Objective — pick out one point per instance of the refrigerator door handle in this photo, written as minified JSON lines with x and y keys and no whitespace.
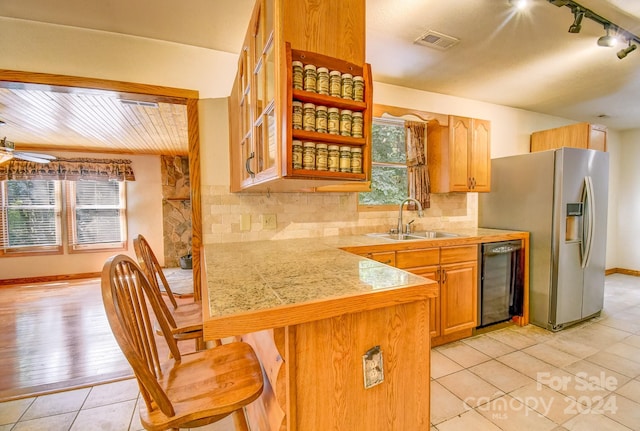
{"x":589,"y":223}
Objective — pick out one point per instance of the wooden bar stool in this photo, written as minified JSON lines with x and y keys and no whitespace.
{"x":185,"y":320}
{"x":185,"y":391}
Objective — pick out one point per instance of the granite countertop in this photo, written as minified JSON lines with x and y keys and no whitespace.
{"x":266,"y":284}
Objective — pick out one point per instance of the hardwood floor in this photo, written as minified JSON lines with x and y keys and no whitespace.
{"x":55,"y":336}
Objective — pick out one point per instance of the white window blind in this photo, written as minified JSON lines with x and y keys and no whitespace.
{"x":97,"y":214}
{"x":30,"y":213}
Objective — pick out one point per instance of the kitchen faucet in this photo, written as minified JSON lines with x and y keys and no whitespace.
{"x":400,"y":227}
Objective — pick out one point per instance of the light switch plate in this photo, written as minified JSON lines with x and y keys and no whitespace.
{"x":373,"y":367}
{"x":269,"y":222}
{"x":245,"y":222}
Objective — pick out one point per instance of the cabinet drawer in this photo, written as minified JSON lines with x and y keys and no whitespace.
{"x":460,"y":253}
{"x":415,"y":258}
{"x":386,"y":257}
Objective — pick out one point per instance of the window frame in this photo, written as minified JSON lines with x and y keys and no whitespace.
{"x":398,"y":112}
{"x":36,"y":250}
{"x":71,"y":226}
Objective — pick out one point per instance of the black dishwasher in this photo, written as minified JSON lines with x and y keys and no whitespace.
{"x":501,"y":284}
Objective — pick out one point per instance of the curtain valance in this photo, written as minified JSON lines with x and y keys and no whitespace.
{"x":68,"y":169}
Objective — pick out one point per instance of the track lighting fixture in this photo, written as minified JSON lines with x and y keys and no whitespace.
{"x":607,"y":40}
{"x":580,"y":12}
{"x":578,"y":15}
{"x":624,"y":52}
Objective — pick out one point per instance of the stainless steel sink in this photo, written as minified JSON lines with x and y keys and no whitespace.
{"x":395,"y":236}
{"x":414,"y":236}
{"x":432,"y":234}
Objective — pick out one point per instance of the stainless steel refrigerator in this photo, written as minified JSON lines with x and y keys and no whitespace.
{"x":560,"y":197}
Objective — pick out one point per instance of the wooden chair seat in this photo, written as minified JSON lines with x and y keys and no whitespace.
{"x":185,"y":391}
{"x":206,"y":387}
{"x":188,"y":318}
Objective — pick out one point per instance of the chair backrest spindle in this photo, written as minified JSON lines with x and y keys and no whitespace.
{"x":128,"y":297}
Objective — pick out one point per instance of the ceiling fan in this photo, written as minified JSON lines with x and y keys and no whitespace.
{"x":7,"y":152}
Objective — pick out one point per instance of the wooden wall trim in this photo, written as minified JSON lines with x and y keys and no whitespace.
{"x":19,"y":78}
{"x":196,"y":207}
{"x":622,"y":271}
{"x":48,"y":278}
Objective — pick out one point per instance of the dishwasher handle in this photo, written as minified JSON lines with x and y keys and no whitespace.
{"x":493,"y":249}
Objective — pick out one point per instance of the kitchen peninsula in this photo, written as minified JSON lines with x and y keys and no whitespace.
{"x":312,"y":311}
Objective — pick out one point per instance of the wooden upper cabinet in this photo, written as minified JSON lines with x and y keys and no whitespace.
{"x":459,"y":155}
{"x":480,"y":156}
{"x":460,"y":135}
{"x":581,"y":135}
{"x":261,"y":104}
{"x":333,"y":29}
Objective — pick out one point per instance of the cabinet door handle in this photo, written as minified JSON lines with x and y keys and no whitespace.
{"x":444,"y":276}
{"x":247,"y":164}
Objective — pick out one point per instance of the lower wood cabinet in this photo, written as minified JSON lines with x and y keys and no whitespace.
{"x":433,"y":273}
{"x":458,"y":297}
{"x":454,"y":313}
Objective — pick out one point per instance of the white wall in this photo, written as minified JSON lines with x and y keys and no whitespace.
{"x":144,"y":214}
{"x":627,"y":217}
{"x":38,"y":47}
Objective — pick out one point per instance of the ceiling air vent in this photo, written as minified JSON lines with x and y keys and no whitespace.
{"x":436,"y":40}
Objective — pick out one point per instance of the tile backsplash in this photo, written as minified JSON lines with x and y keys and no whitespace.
{"x":311,"y":215}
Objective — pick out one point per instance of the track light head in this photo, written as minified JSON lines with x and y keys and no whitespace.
{"x":578,"y":15}
{"x":624,"y":52}
{"x":607,"y":40}
{"x":519,"y":4}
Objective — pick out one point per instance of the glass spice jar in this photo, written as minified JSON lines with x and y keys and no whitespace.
{"x":358,"y":88}
{"x":321,"y":119}
{"x":333,"y":121}
{"x":346,"y":88}
{"x":296,"y":147}
{"x":309,"y":155}
{"x":345,"y":159}
{"x":356,"y":160}
{"x":296,"y":117}
{"x":310,"y":76}
{"x":321,"y":157}
{"x":322,"y":81}
{"x":297,"y":74}
{"x":333,"y":160}
{"x":335,"y":83}
{"x":309,"y":117}
{"x":345,"y":122}
{"x":357,"y":123}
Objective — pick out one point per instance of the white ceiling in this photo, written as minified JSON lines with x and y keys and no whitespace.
{"x":525,"y":60}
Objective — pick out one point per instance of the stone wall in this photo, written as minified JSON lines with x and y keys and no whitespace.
{"x":176,"y":208}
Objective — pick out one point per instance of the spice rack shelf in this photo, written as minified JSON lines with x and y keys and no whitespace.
{"x":312,"y":173}
{"x":321,"y":99}
{"x":305,"y":135}
{"x":303,"y":96}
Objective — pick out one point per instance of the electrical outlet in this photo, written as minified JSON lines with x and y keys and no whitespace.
{"x":245,"y":222}
{"x":269,"y":222}
{"x":373,"y":367}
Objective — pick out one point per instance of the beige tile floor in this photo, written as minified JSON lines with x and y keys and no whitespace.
{"x":585,"y":378}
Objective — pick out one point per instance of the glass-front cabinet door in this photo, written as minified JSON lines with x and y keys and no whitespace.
{"x":262,"y":159}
